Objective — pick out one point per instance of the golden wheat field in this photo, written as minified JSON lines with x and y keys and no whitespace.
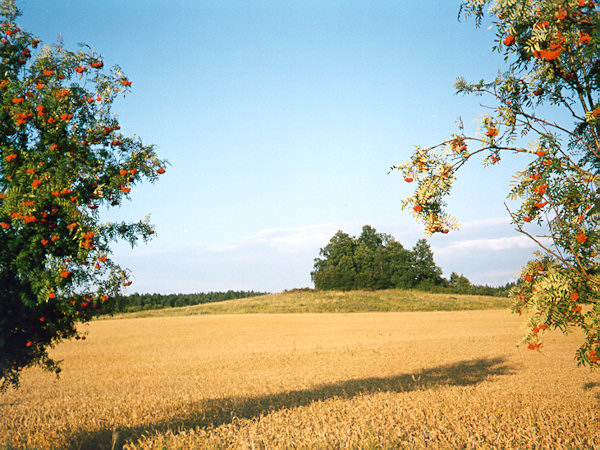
{"x":403,"y":380}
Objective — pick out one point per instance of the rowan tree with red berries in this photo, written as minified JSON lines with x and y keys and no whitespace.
{"x":552,"y":49}
{"x":62,"y":159}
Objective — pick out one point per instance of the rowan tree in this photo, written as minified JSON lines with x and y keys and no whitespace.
{"x":545,"y":109}
{"x":62,"y":160}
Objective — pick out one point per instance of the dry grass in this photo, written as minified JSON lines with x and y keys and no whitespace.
{"x":433,"y":379}
{"x":311,"y":301}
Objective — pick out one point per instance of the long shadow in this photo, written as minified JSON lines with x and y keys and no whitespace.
{"x":215,"y":412}
{"x":592,"y":385}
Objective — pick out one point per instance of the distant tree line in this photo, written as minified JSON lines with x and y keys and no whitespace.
{"x":377,"y":261}
{"x":140,"y":302}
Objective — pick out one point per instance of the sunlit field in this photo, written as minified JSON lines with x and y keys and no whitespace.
{"x":316,"y":301}
{"x":414,"y":379}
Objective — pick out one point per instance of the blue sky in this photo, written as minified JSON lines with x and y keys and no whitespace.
{"x":280,"y":121}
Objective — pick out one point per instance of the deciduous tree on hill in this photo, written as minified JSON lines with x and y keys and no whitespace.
{"x":335,"y":270}
{"x":62,"y":157}
{"x":550,"y":95}
{"x":374,"y":261}
{"x":426,"y":271}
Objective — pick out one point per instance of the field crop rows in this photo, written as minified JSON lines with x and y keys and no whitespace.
{"x":435,"y":379}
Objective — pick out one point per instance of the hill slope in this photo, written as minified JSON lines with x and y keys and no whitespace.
{"x":310,"y":301}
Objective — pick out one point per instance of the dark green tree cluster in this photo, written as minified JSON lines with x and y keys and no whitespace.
{"x":459,"y":284}
{"x":377,"y":261}
{"x":374,"y":261}
{"x":141,"y":302}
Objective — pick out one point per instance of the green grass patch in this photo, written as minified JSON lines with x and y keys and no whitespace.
{"x":311,"y":301}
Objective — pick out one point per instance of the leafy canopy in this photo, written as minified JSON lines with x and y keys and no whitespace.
{"x":62,"y":159}
{"x":552,"y":50}
{"x":374,"y":261}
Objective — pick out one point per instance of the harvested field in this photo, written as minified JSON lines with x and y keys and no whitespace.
{"x":435,"y":379}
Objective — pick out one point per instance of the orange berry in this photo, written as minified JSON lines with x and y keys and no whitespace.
{"x":509,"y":40}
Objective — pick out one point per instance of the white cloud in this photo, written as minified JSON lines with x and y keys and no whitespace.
{"x":491,"y":244}
{"x":223,"y":248}
{"x":287,"y":240}
{"x":310,"y":237}
{"x":484,"y":223}
{"x":292,"y":239}
{"x":496,"y":276}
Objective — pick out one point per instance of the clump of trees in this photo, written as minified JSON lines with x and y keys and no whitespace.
{"x":141,"y":302}
{"x":377,"y":261}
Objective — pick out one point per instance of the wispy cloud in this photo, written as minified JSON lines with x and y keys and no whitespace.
{"x":483,"y":223}
{"x":489,"y":245}
{"x":311,"y":237}
{"x":290,"y":239}
{"x":495,"y":277}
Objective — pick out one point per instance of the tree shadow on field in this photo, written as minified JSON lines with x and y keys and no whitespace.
{"x":592,"y":385}
{"x":215,"y":412}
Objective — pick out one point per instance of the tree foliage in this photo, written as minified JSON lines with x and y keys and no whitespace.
{"x":62,"y":158}
{"x":142,"y":302}
{"x":549,"y":96}
{"x":374,"y":261}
